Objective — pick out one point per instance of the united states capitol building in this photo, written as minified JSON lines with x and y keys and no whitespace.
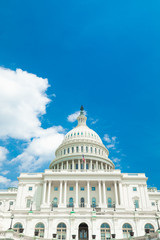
{"x":81,"y":196}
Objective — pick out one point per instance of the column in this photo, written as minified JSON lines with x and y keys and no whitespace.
{"x":146,"y":196}
{"x":121,"y":193}
{"x":62,"y":165}
{"x":76,"y":205}
{"x":44,"y":191}
{"x":100,"y":194}
{"x":85,"y":164}
{"x":60,"y":193}
{"x":116,"y":195}
{"x":88,"y":194}
{"x":72,"y":165}
{"x":49,"y":191}
{"x":79,"y":164}
{"x":67,"y":165}
{"x":65,"y":193}
{"x":91,"y":165}
{"x":96,"y":165}
{"x":104,"y":194}
{"x":101,"y":166}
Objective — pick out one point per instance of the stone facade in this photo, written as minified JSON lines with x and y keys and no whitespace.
{"x":81,"y":194}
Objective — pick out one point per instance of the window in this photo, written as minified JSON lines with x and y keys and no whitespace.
{"x":150,"y":227}
{"x":70,"y":202}
{"x":105,"y":231}
{"x":17,"y":226}
{"x":87,"y":167}
{"x":28,"y":203}
{"x":93,"y":202}
{"x":72,"y":149}
{"x":82,"y":167}
{"x":109,"y":202}
{"x":91,"y":149}
{"x":30,"y":188}
{"x":0,"y":203}
{"x":153,"y":203}
{"x":93,"y":188}
{"x":81,"y":133}
{"x":64,"y":151}
{"x":78,"y":133}
{"x":11,"y":203}
{"x":76,"y":165}
{"x":126,"y":229}
{"x":136,"y":202}
{"x":82,"y":188}
{"x":81,"y":148}
{"x":99,"y":152}
{"x":134,"y":189}
{"x":55,"y":202}
{"x":70,"y":188}
{"x":76,"y":149}
{"x":95,"y":150}
{"x":82,"y":202}
{"x":68,"y":150}
{"x":40,"y":229}
{"x":61,"y":231}
{"x":87,"y":149}
{"x":108,"y":188}
{"x":55,"y":188}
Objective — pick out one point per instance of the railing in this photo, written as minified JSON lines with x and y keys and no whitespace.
{"x":70,"y":205}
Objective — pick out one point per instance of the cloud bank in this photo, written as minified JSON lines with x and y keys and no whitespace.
{"x":23,"y":100}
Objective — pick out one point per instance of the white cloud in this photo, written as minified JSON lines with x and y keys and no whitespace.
{"x":73,"y":117}
{"x":111,"y":140}
{"x":116,"y":160}
{"x":111,"y":146}
{"x":3,"y":154}
{"x":6,"y":182}
{"x":41,"y":149}
{"x":94,"y":121}
{"x":107,"y":138}
{"x":5,"y":172}
{"x":22,"y":101}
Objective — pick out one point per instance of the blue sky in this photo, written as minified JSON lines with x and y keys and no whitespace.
{"x":102,"y":54}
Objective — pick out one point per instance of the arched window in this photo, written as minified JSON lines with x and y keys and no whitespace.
{"x":109,"y":202}
{"x":61,"y":231}
{"x":82,"y":202}
{"x":126,"y":229}
{"x":150,"y":227}
{"x":77,"y":149}
{"x":70,"y":202}
{"x":55,"y":202}
{"x":68,"y":150}
{"x":17,"y":226}
{"x":105,"y":231}
{"x":93,"y":202}
{"x":40,"y":229}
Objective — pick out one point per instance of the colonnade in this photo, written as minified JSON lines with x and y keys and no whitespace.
{"x":101,"y":194}
{"x":80,"y":164}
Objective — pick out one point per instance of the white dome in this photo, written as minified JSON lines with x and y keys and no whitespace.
{"x":82,"y":132}
{"x":80,"y":141}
